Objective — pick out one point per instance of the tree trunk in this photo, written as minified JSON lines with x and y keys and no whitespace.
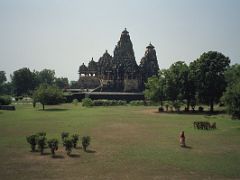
{"x":211,"y":106}
{"x":188,"y":104}
{"x":43,"y":107}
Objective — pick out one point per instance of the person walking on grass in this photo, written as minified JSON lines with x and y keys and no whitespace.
{"x":182,"y":139}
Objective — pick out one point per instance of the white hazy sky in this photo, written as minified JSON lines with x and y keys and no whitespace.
{"x":62,"y":34}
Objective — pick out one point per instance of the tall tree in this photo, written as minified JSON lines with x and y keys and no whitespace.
{"x":231,"y":97}
{"x":46,"y":76}
{"x":179,"y":84}
{"x":209,"y":75}
{"x":155,"y":88}
{"x":24,"y":81}
{"x":62,"y":82}
{"x":2,"y":77}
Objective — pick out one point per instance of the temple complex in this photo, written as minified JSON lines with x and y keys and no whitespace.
{"x":120,"y":72}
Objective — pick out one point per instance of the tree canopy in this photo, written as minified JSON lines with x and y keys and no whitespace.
{"x":48,"y":95}
{"x":24,"y":81}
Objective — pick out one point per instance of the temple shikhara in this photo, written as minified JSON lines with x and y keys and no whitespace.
{"x":120,"y":72}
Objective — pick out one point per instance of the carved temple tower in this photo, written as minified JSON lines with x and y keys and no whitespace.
{"x":119,"y":73}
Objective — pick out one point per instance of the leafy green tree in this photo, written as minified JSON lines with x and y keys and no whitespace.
{"x":48,"y":95}
{"x":155,"y":88}
{"x":24,"y":81}
{"x":46,"y":76}
{"x":6,"y":88}
{"x":231,"y":99}
{"x":75,"y":138}
{"x":32,"y":140}
{"x":209,"y":75}
{"x":179,"y":86}
{"x":2,"y":77}
{"x":85,"y":142}
{"x":68,"y":144}
{"x":232,"y":74}
{"x":53,"y":145}
{"x":62,"y":83}
{"x":74,"y":85}
{"x":41,"y":142}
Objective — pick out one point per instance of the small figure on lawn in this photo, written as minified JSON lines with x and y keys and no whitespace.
{"x":182,"y":139}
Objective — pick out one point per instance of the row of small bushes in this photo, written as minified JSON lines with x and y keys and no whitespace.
{"x":161,"y":109}
{"x":137,"y":103}
{"x":5,"y":100}
{"x":87,"y":102}
{"x":69,"y":142}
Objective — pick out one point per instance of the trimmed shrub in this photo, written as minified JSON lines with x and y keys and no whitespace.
{"x":32,"y":140}
{"x":53,"y":145}
{"x":75,"y":102}
{"x":64,"y":135}
{"x":87,"y":102}
{"x":5,"y":100}
{"x":41,"y":134}
{"x":75,"y":138}
{"x":41,"y":142}
{"x":68,"y":144}
{"x":85,"y":142}
{"x":105,"y":102}
{"x":137,"y":103}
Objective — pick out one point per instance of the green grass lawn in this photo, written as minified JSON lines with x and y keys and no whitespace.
{"x":128,"y":143}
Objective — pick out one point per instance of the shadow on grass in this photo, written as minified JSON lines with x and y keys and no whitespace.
{"x":186,"y":147}
{"x":54,"y":110}
{"x":206,"y":113}
{"x":90,"y":151}
{"x":74,"y":155}
{"x":58,"y":157}
{"x":46,"y":153}
{"x":78,"y":147}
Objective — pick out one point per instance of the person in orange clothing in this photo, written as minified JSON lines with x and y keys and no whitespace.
{"x":182,"y":139}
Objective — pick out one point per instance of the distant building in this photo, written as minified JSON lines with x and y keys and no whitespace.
{"x":119,"y":73}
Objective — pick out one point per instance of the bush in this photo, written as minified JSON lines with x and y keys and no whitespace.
{"x":87,"y":102}
{"x":5,"y":100}
{"x":75,"y":138}
{"x":105,"y":102}
{"x":53,"y":145}
{"x":75,"y":102}
{"x":85,"y":142}
{"x":32,"y":140}
{"x":68,"y":144}
{"x":41,"y":134}
{"x":41,"y":142}
{"x":200,"y":109}
{"x":137,"y":103}
{"x":64,"y":135}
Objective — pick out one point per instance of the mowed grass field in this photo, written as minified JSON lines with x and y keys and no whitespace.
{"x":127,"y":143}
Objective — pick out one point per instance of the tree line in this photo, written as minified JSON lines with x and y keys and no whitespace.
{"x":24,"y":81}
{"x":207,"y":80}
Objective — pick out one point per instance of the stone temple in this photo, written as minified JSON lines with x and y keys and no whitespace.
{"x":120,"y":72}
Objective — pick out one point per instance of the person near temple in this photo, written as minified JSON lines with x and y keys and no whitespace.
{"x":182,"y":139}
